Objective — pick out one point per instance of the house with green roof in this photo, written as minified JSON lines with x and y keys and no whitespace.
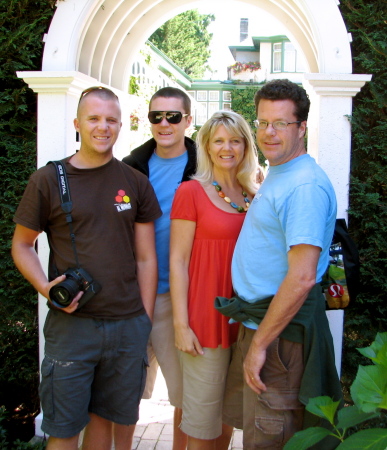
{"x":267,"y":58}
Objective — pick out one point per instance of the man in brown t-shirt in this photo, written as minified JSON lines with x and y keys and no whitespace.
{"x":94,"y":368}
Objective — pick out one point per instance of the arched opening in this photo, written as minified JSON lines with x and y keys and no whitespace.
{"x":107,"y":35}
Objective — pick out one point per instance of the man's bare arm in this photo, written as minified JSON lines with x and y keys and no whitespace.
{"x":292,"y":293}
{"x":146,"y":262}
{"x":27,"y":261}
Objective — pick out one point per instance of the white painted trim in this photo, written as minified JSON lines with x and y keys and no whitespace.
{"x":342,"y":85}
{"x":329,"y":127}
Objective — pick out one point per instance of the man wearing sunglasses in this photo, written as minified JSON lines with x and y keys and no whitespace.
{"x":167,"y":159}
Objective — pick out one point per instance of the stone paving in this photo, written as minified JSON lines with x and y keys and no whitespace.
{"x":154,"y":429}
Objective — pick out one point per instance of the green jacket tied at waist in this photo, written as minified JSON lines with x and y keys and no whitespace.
{"x":310,"y":327}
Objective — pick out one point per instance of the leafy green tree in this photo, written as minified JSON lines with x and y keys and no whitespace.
{"x":242,"y":102}
{"x":185,"y":40}
{"x":22,"y":25}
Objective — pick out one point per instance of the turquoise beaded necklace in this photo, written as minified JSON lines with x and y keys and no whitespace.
{"x":221,"y":194}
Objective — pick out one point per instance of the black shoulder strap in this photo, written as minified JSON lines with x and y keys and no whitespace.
{"x":65,"y":200}
{"x":64,"y":189}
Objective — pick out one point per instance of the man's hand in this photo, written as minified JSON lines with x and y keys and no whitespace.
{"x":252,"y":365}
{"x":299,"y":280}
{"x":27,"y":261}
{"x":72,"y":306}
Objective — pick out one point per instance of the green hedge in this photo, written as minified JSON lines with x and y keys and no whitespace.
{"x":22,"y":25}
{"x":368,"y":187}
{"x":242,"y":102}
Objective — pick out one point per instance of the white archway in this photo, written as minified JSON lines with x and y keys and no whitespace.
{"x":94,"y":42}
{"x":101,"y":38}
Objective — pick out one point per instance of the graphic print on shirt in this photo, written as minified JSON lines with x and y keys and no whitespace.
{"x":123,"y":201}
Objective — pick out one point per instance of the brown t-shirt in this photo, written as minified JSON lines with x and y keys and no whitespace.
{"x":107,"y":201}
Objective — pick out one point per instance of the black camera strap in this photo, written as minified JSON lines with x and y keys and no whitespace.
{"x":65,"y":200}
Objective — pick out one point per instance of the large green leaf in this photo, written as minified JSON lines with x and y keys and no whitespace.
{"x":372,"y":439}
{"x":352,"y":416}
{"x":377,"y":351}
{"x":304,"y":439}
{"x":369,"y":390}
{"x":323,"y":407}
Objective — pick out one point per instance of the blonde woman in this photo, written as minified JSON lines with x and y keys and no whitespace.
{"x":207,"y":215}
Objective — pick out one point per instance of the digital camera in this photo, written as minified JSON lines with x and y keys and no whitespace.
{"x":77,"y":279}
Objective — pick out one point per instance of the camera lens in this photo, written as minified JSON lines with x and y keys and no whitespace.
{"x":62,"y":294}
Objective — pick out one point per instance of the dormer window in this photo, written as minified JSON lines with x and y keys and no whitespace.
{"x":286,"y":58}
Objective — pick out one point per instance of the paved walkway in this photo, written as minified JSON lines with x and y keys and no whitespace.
{"x":154,"y":429}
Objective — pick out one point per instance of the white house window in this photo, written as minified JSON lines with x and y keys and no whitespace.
{"x":201,"y":113}
{"x":277,"y":57}
{"x":226,"y":96}
{"x":201,"y":96}
{"x":212,"y":108}
{"x":191,"y":93}
{"x":289,"y":57}
{"x":213,"y":96}
{"x":286,"y":58}
{"x":227,"y":106}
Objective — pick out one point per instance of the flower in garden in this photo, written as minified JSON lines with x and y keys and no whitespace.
{"x":239,"y":67}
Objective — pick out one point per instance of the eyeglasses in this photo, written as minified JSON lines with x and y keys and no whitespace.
{"x":96,"y":88}
{"x":173,"y":117}
{"x":277,"y":125}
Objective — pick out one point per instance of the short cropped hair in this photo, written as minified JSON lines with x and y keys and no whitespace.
{"x":236,"y":125}
{"x":171,"y":92}
{"x":98,"y":91}
{"x":285,"y":90}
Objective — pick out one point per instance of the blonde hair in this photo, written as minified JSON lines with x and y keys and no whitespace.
{"x":236,"y":125}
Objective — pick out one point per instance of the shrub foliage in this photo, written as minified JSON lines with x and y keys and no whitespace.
{"x":22,"y":25}
{"x":242,"y":102}
{"x":366,"y":21}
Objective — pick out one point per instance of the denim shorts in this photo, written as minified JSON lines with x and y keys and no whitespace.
{"x":91,"y":365}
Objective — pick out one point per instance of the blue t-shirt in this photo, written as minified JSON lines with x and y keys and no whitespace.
{"x":296,"y":204}
{"x":165,"y":175}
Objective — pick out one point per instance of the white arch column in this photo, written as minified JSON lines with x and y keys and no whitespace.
{"x":329,"y":127}
{"x":329,"y":142}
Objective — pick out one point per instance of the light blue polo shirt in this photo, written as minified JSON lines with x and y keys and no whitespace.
{"x":296,"y":204}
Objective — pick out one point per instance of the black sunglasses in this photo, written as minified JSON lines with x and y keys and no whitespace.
{"x":173,"y":117}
